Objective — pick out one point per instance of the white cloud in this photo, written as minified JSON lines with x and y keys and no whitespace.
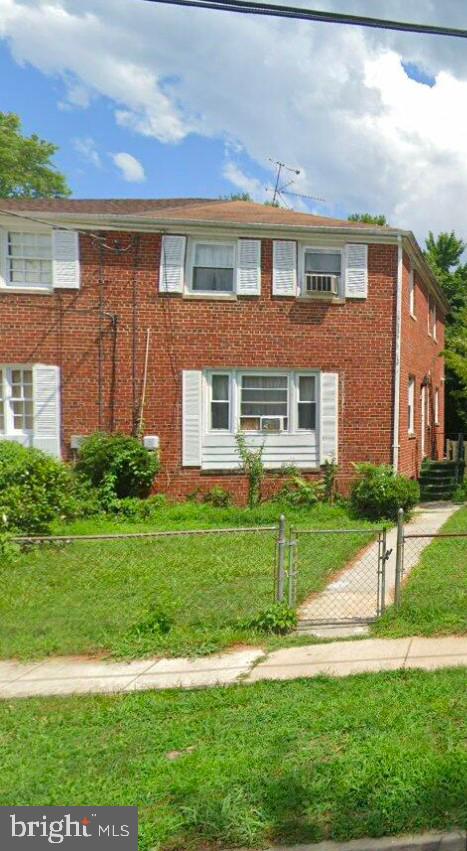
{"x":131,"y":168}
{"x":240,"y":180}
{"x":334,"y":101}
{"x":86,"y":147}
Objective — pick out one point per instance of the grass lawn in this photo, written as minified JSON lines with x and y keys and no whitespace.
{"x":292,"y":762}
{"x":169,"y":596}
{"x":434,"y":599}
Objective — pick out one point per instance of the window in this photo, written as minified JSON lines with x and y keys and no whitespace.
{"x":264,"y":402}
{"x":306,"y":402}
{"x":220,"y":402}
{"x":437,"y":406}
{"x":16,"y":400}
{"x":322,"y":271}
{"x":213,"y":267}
{"x":29,"y":260}
{"x":411,"y":405}
{"x":412,"y":293}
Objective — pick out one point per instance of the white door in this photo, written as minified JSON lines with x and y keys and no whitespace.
{"x":423,"y":419}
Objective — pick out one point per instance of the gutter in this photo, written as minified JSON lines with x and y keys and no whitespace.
{"x":397,"y":359}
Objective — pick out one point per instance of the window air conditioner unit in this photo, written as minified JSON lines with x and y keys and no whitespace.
{"x":316,"y":283}
{"x":274,"y":424}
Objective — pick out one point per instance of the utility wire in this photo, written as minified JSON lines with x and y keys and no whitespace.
{"x":302,"y":13}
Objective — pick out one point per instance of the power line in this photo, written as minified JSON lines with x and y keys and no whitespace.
{"x":302,"y":13}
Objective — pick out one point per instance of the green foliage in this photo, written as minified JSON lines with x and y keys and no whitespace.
{"x":218,"y":497}
{"x":444,"y":254}
{"x":329,"y":480}
{"x":299,"y":491}
{"x":369,"y":219}
{"x":34,"y":489}
{"x":460,"y":494}
{"x":236,"y":196}
{"x":118,"y":465}
{"x":253,"y":467}
{"x":379,"y":492}
{"x":26,"y":170}
{"x":9,"y":550}
{"x":133,"y":508}
{"x":277,"y":619}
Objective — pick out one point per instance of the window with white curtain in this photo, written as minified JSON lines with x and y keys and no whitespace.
{"x":213,"y":267}
{"x":264,"y":402}
{"x":412,"y":293}
{"x":29,"y":260}
{"x":437,"y":406}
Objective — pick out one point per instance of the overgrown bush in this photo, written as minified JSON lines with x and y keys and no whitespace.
{"x":379,"y":492}
{"x":277,"y":619}
{"x":299,"y":491}
{"x":330,"y":469}
{"x":34,"y":489}
{"x":118,"y":465}
{"x":252,"y":466}
{"x":218,"y":497}
{"x":460,"y":494}
{"x":133,"y":508}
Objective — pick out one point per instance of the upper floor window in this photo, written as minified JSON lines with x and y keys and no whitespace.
{"x":16,"y":400}
{"x":213,"y":267}
{"x":412,"y":293}
{"x":322,"y":271}
{"x":411,"y":405}
{"x":29,"y":260}
{"x":436,"y":406}
{"x":432,"y":317}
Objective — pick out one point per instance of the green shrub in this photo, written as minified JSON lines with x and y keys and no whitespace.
{"x":218,"y":497}
{"x":34,"y":489}
{"x":460,"y":494}
{"x":252,"y":466}
{"x":379,"y":492}
{"x":277,"y":619}
{"x":118,"y":465}
{"x":299,"y":491}
{"x":133,"y":508}
{"x":330,"y":470}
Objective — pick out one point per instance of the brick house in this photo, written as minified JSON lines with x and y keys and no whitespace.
{"x":320,"y":337}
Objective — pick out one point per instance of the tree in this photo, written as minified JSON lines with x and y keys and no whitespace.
{"x":444,"y":254}
{"x":26,"y":170}
{"x":368,"y":219}
{"x":236,"y":196}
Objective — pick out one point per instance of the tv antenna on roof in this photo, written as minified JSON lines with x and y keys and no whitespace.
{"x":280,"y":190}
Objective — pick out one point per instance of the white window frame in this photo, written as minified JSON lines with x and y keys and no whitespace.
{"x":412,"y":294}
{"x":210,"y":400}
{"x":436,"y":405}
{"x":8,"y":417}
{"x":5,"y":282}
{"x":432,"y":317}
{"x":411,"y":405}
{"x":192,"y":243}
{"x":235,"y":384}
{"x":319,"y":249}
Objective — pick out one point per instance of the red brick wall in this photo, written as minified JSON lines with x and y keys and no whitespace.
{"x":420,"y":357}
{"x":355,"y":339}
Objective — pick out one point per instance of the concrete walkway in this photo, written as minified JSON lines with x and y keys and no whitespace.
{"x":353,"y":593}
{"x":63,"y":676}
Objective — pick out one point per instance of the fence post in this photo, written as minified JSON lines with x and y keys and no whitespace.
{"x":281,"y":545}
{"x":292,"y":570}
{"x":399,"y":557}
{"x":383,"y":572}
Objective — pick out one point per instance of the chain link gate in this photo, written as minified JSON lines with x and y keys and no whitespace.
{"x":333,"y":576}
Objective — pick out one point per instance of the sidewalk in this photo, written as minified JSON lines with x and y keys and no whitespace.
{"x":71,"y":675}
{"x":354,"y":592}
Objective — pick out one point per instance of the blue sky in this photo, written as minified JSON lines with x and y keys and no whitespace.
{"x":194,"y":103}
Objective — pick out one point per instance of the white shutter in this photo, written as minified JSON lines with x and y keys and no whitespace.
{"x":191,"y":418}
{"x":65,"y":254}
{"x":46,"y":434}
{"x":329,"y":416}
{"x":171,"y":274}
{"x":249,"y":267}
{"x":284,"y":271}
{"x":356,"y":271}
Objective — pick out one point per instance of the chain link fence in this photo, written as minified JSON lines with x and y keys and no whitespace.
{"x":174,"y":592}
